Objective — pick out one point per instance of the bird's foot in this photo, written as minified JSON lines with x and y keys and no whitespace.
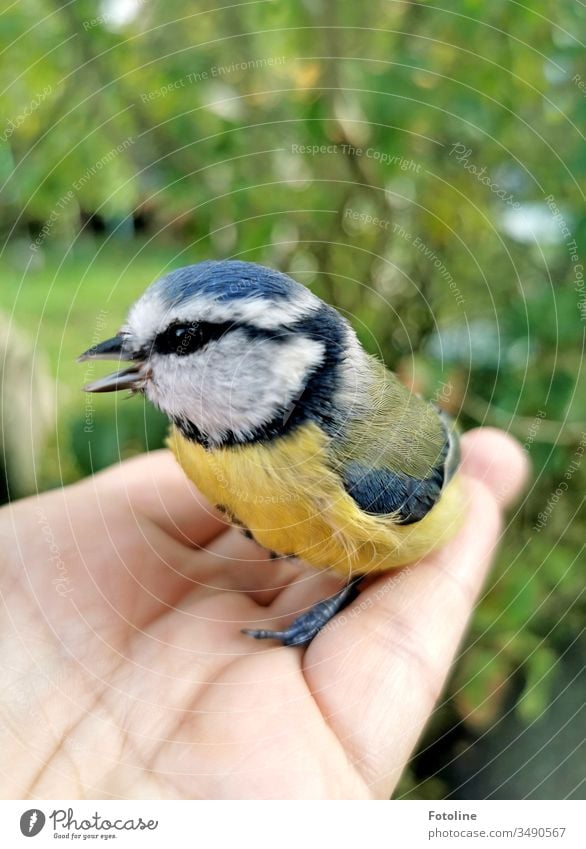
{"x":303,"y":629}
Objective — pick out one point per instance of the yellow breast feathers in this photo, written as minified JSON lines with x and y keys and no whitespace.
{"x":293,"y":502}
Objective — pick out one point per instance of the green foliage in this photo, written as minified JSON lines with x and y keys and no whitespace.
{"x":420,"y":167}
{"x":113,"y":434}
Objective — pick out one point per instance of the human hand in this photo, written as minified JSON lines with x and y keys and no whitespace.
{"x":125,"y":673}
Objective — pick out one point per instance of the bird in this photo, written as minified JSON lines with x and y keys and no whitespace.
{"x":288,"y":426}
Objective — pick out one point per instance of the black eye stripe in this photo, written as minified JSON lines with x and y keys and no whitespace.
{"x":183,"y":339}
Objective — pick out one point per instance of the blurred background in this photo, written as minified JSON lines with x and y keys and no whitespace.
{"x":421,"y":168}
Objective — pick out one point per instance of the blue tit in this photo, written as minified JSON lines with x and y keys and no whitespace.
{"x":288,"y":426}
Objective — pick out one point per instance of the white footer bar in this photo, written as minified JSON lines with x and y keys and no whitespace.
{"x":294,"y":824}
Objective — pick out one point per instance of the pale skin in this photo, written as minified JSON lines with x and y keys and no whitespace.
{"x":125,"y":674}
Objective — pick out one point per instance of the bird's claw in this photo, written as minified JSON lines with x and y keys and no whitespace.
{"x":306,"y":626}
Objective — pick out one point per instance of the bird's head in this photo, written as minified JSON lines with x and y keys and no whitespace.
{"x":231,"y":352}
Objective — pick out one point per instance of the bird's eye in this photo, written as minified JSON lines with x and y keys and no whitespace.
{"x":180,"y":339}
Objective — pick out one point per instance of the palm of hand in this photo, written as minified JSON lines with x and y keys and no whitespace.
{"x":127,"y":675}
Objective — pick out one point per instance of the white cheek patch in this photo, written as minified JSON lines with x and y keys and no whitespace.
{"x":235,"y":383}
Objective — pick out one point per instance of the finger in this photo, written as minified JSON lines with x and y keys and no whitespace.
{"x":483,"y":450}
{"x":231,"y":561}
{"x":156,"y":486}
{"x":213,"y":554}
{"x":305,"y":588}
{"x":378,"y":674}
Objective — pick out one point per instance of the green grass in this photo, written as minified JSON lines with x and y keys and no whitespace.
{"x":63,"y":302}
{"x":67,"y":302}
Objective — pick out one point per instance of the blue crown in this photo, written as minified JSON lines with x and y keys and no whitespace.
{"x":225,"y":281}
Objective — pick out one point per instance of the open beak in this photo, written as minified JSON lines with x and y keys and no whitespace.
{"x":133,"y":377}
